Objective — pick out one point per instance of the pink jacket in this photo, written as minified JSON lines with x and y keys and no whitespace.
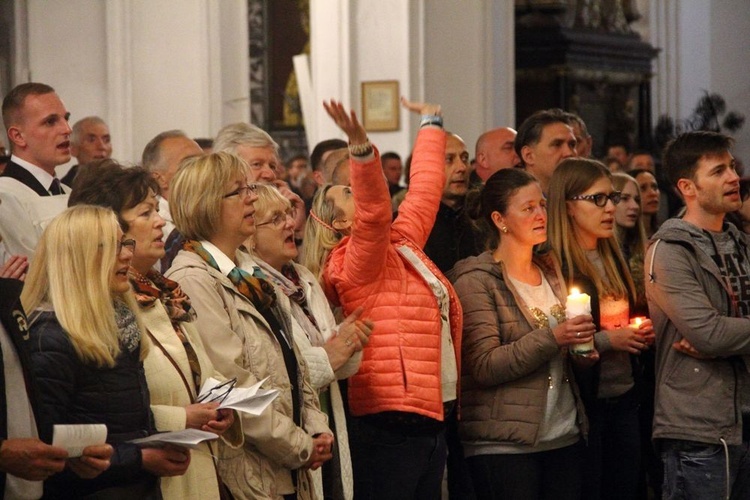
{"x":400,"y":368}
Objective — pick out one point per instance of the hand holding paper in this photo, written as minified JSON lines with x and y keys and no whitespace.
{"x":251,"y":399}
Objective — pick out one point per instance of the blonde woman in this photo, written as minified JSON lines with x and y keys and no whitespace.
{"x":582,"y":203}
{"x":408,"y":381}
{"x":650,"y":198}
{"x":245,"y":332}
{"x":176,"y":365}
{"x":631,"y":234}
{"x":333,"y":352}
{"x":86,"y":352}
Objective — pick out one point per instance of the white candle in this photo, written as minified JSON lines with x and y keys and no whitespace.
{"x":577,"y":304}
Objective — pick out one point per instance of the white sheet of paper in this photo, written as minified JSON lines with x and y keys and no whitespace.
{"x":74,"y":438}
{"x":251,"y":399}
{"x":189,"y":438}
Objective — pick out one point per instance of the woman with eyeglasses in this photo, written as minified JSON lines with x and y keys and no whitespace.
{"x":87,"y":353}
{"x":522,"y":420}
{"x":332,"y":352}
{"x":246,"y":333}
{"x":582,"y":204}
{"x":177,"y":365}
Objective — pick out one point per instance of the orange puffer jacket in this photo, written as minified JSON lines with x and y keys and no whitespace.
{"x":401,"y":367}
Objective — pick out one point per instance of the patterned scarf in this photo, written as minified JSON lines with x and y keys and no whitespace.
{"x":127,"y":326}
{"x":288,"y":281}
{"x":256,"y":289}
{"x":154,"y":286}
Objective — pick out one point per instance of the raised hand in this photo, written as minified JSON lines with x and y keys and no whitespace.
{"x":422,"y":108}
{"x":346,"y":121}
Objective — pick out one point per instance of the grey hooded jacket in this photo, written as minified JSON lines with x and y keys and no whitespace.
{"x":696,"y":399}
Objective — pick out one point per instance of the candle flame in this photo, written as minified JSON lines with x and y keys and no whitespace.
{"x":575,"y":291}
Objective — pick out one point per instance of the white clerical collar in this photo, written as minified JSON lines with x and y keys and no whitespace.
{"x":44,"y":178}
{"x":224,"y":262}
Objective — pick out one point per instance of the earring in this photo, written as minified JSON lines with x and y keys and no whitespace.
{"x":504,"y":229}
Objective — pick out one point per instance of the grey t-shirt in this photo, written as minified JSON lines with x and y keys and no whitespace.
{"x":735,"y":269}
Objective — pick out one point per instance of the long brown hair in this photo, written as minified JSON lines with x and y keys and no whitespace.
{"x":572,"y":177}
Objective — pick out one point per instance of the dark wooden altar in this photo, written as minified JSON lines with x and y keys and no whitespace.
{"x":582,"y":56}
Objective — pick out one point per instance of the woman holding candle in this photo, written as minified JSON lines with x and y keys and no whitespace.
{"x":631,"y":234}
{"x":522,"y":418}
{"x":582,"y":204}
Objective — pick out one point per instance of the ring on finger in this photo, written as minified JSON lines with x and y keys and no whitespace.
{"x":578,"y":335}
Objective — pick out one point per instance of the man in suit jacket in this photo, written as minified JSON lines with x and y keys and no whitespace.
{"x":30,"y":194}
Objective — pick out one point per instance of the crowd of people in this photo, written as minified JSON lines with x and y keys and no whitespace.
{"x":538,"y":323}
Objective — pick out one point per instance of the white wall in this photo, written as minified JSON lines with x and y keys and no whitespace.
{"x":145,"y":66}
{"x":730,"y":62}
{"x":469,"y":64}
{"x":704,"y":47}
{"x":453,"y":53}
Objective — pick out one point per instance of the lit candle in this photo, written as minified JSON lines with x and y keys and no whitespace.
{"x":577,"y":304}
{"x":635,"y":323}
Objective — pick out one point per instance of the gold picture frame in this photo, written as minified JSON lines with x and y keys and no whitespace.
{"x":380,"y":110}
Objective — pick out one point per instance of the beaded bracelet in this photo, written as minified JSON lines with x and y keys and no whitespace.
{"x":363,"y":149}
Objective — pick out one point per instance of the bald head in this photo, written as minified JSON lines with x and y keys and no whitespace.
{"x":494,"y":151}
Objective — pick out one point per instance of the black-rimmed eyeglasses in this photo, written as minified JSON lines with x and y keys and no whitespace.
{"x":599,"y":199}
{"x":243,"y":191}
{"x":218,"y":393}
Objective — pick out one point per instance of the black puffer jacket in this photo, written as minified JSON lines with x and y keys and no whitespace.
{"x":71,"y":392}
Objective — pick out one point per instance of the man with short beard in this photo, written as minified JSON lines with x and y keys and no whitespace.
{"x":698,"y":270}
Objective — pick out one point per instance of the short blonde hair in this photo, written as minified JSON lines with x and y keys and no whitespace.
{"x":269,"y":198}
{"x":72,"y":272}
{"x":197,"y":191}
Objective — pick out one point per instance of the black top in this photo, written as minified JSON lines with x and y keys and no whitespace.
{"x":453,"y":237}
{"x":16,"y":171}
{"x":74,"y":392}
